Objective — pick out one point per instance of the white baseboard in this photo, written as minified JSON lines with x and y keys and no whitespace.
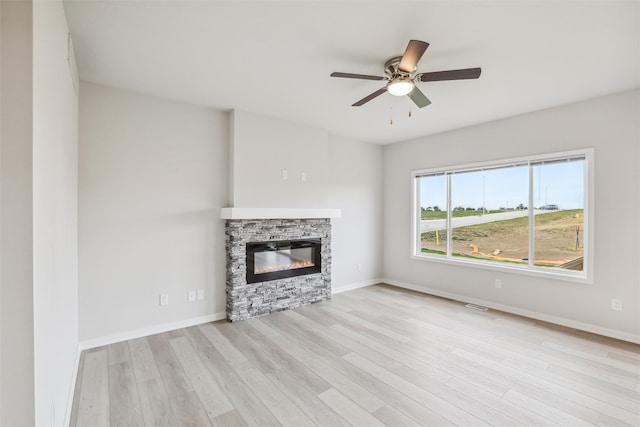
{"x":156,"y":329}
{"x":352,"y":286}
{"x":587,"y":327}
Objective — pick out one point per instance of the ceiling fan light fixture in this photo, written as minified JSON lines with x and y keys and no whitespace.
{"x":400,"y":86}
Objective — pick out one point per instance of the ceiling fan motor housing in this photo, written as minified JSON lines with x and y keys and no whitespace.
{"x":391,"y":67}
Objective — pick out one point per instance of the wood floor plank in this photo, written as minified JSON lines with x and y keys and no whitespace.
{"x":551,"y":356}
{"x":409,"y":359}
{"x":155,"y":404}
{"x":524,"y":380}
{"x":213,"y":399}
{"x":258,"y":349}
{"x":243,"y":398}
{"x":306,"y":399}
{"x":347,"y":409}
{"x":94,"y":404}
{"x":612,"y":384}
{"x":353,"y":345}
{"x":171,"y":372}
{"x":229,"y":419}
{"x":391,"y":417}
{"x":522,"y":415}
{"x":289,"y":321}
{"x":123,"y":395}
{"x":278,"y":403}
{"x":323,"y":368}
{"x":189,"y":410}
{"x":399,"y":401}
{"x":629,"y":368}
{"x":118,"y":352}
{"x":371,"y":326}
{"x":144,"y":364}
{"x":379,"y":355}
{"x":424,"y":397}
{"x":559,"y":417}
{"x":461,"y":400}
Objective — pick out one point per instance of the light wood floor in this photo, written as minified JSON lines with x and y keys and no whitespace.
{"x":373,"y":356}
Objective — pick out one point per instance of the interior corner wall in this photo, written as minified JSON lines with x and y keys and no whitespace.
{"x":266,"y":148}
{"x":341,"y":173}
{"x":55,"y":215}
{"x":17,"y":401}
{"x":610,"y":126}
{"x":355,"y":186}
{"x":153,"y":177}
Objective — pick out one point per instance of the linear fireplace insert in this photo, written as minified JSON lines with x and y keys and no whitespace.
{"x":280,"y":259}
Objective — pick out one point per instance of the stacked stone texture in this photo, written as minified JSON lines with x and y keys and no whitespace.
{"x":257,"y":299}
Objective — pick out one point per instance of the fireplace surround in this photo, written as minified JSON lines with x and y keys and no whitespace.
{"x":265,"y":293}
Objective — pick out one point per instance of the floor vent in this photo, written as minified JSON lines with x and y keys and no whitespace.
{"x":476,"y":307}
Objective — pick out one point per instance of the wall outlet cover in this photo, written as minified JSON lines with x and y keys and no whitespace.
{"x":164,"y":299}
{"x":616,"y":304}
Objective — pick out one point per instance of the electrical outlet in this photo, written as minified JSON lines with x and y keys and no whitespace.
{"x":285,"y":174}
{"x":616,"y":304}
{"x":200,"y":294}
{"x":303,"y":176}
{"x":164,"y":299}
{"x":191,"y":296}
{"x":498,"y":283}
{"x":359,"y":267}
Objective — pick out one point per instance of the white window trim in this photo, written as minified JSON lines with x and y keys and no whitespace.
{"x":585,"y":276}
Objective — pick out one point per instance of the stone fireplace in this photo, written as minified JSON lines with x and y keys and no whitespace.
{"x":275,"y":264}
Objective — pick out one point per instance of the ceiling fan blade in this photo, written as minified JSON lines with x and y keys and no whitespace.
{"x":466,"y":73}
{"x":419,"y":98}
{"x":413,"y":53}
{"x":356,"y":76}
{"x":370,"y":97}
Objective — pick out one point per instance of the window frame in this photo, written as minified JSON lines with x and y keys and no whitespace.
{"x":585,"y":276}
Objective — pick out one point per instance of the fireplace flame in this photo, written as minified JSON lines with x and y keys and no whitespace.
{"x":282,"y":267}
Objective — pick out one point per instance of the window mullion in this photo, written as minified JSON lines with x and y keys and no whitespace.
{"x":531,"y":218}
{"x":448,"y":225}
{"x":417,"y":211}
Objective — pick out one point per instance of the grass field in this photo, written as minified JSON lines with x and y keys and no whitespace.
{"x":455,"y":214}
{"x":507,"y":241}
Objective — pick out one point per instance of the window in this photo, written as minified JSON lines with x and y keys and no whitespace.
{"x":527,"y":215}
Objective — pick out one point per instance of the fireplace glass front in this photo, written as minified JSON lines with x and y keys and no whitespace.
{"x":280,"y":259}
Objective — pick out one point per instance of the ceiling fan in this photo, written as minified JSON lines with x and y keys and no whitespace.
{"x":401,"y":76}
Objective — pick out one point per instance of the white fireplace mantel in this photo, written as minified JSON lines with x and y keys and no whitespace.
{"x":278,"y":213}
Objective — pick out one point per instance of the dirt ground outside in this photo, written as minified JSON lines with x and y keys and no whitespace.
{"x":555,"y":232}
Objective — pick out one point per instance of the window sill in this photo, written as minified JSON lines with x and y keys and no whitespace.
{"x":562,"y":275}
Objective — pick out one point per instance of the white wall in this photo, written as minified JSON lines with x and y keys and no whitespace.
{"x":355,"y":186}
{"x":55,"y":218}
{"x":341,"y":173}
{"x":153,"y":176}
{"x":16,"y":218}
{"x":152,"y":180}
{"x":610,"y":126}
{"x":261,"y":148}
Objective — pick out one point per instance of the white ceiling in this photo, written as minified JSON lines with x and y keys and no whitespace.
{"x":274,"y":57}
